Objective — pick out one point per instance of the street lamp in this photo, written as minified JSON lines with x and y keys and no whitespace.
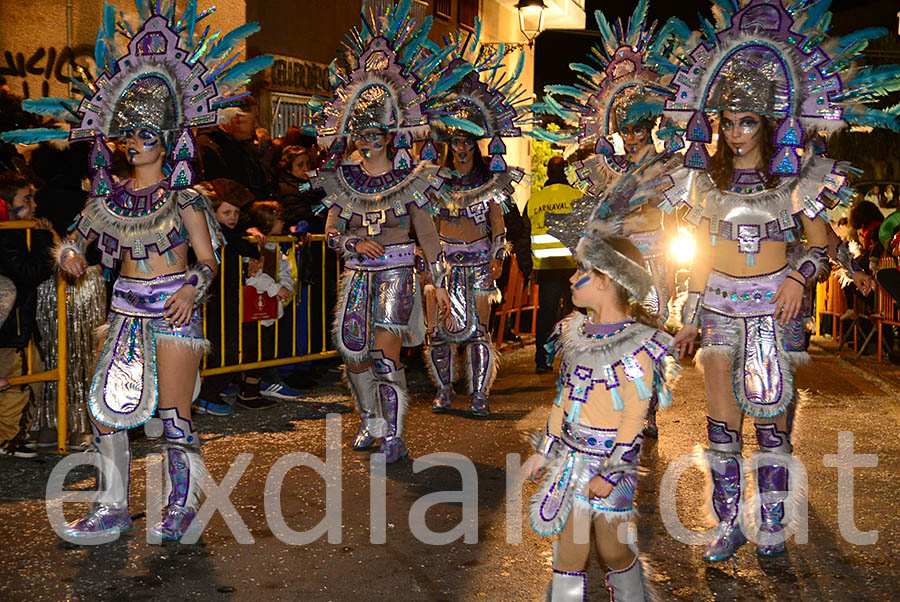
{"x":531,"y":18}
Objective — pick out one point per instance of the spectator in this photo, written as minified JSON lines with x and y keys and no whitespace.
{"x":518,"y":233}
{"x":553,"y":263}
{"x":228,"y":151}
{"x":227,"y":198}
{"x":272,"y":276}
{"x":27,"y":268}
{"x":298,"y":201}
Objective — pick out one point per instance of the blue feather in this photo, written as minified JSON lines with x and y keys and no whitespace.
{"x":564,"y":89}
{"x":586,"y":69}
{"x":109,"y":21}
{"x":477,"y":35}
{"x":814,"y":16}
{"x":461,"y":124}
{"x":609,"y":38}
{"x":643,"y":110}
{"x":517,"y":70}
{"x":190,"y":25}
{"x":141,"y":6}
{"x":871,"y":82}
{"x":872,"y":117}
{"x":434,"y":60}
{"x":546,"y":135}
{"x":448,"y":80}
{"x":635,"y":21}
{"x":242,"y":71}
{"x":415,"y":40}
{"x":33,"y":135}
{"x":232,"y":39}
{"x":863,"y":35}
{"x":61,"y":108}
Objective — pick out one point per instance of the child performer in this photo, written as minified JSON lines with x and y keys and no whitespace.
{"x":612,"y":360}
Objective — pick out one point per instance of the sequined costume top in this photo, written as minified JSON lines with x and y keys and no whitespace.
{"x":747,"y":212}
{"x":606,"y":377}
{"x":381,"y":207}
{"x":476,"y":196}
{"x":128,"y":223}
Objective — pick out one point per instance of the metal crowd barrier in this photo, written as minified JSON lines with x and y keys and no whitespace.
{"x":57,"y":374}
{"x":296,"y":315}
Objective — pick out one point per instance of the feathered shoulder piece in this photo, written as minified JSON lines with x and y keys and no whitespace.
{"x":591,"y":360}
{"x":773,"y":58}
{"x":170,"y":76}
{"x":356,"y":193}
{"x":623,"y":81}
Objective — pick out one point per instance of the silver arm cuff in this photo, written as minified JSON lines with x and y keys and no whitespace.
{"x":438,"y":271}
{"x":548,"y":446}
{"x":690,"y":311}
{"x":199,"y":276}
{"x":813,"y":264}
{"x":67,"y":247}
{"x":499,"y":247}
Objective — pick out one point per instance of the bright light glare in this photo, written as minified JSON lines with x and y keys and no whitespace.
{"x":682,"y":248}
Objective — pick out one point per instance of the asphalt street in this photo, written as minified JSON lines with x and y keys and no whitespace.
{"x":493,"y":554}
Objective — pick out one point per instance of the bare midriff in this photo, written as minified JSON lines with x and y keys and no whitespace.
{"x":729,"y":260}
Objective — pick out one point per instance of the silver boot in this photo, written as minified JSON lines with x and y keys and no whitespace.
{"x":391,"y":384}
{"x":109,"y":512}
{"x":440,"y":359}
{"x":371,"y":424}
{"x":568,"y":587}
{"x":482,"y":369}
{"x":629,"y":584}
{"x":726,"y":470}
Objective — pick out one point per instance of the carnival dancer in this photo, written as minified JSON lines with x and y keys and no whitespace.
{"x":165,"y":83}
{"x":612,"y":360}
{"x":373,"y":198}
{"x":473,"y":236}
{"x":765,"y":73}
{"x":620,"y":98}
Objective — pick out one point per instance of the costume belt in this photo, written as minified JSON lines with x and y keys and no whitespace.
{"x":462,"y":254}
{"x":395,"y":256}
{"x":743,"y":297}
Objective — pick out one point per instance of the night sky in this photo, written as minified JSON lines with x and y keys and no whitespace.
{"x":556,"y":48}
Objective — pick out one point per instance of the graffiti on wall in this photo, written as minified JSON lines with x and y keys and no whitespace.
{"x":43,"y":65}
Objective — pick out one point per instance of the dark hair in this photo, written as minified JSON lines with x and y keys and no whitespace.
{"x":556,"y":171}
{"x":264,"y":214}
{"x":479,"y":165}
{"x":634,"y":309}
{"x":864,"y":213}
{"x":843,"y":221}
{"x":721,"y":164}
{"x":289,"y":154}
{"x":12,"y":182}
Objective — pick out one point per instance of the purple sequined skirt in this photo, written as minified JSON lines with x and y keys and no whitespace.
{"x":738,"y":320}
{"x":584,"y":452}
{"x":379,"y":293}
{"x":469,"y":278}
{"x":124,"y":391}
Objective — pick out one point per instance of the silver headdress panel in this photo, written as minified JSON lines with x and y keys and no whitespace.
{"x":744,"y":87}
{"x":373,"y":109}
{"x":147,"y":101}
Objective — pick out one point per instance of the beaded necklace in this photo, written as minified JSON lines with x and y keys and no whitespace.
{"x":600,"y":337}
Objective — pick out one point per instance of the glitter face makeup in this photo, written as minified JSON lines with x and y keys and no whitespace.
{"x":741,"y":131}
{"x":462,"y":148}
{"x":582,"y":281}
{"x":635,"y":137}
{"x":143,"y":146}
{"x":370,"y":142}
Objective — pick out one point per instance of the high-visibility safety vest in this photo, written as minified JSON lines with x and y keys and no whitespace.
{"x":549,"y":253}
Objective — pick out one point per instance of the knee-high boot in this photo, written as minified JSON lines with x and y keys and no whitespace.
{"x":568,"y":587}
{"x":629,"y":584}
{"x":109,"y":513}
{"x":185,"y":474}
{"x":482,"y":366}
{"x":772,"y":485}
{"x":726,"y":470}
{"x":391,"y":383}
{"x":371,"y":424}
{"x":440,"y":356}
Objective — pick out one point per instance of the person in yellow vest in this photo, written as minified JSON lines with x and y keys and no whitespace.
{"x":553,"y":263}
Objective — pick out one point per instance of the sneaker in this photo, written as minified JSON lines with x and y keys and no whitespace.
{"x":230,"y":392}
{"x":278,"y":391}
{"x":20,"y":452}
{"x":212,"y":408}
{"x":256,"y":402}
{"x":543,"y":369}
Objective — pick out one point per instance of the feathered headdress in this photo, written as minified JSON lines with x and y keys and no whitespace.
{"x":623,"y":82}
{"x":170,"y":77}
{"x":772,"y":57}
{"x":386,"y":80}
{"x":489,"y":101}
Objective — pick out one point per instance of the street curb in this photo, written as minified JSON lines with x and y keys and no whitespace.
{"x":869,"y":373}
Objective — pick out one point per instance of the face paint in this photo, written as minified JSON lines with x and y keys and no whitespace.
{"x":741,"y":132}
{"x":142,"y":145}
{"x":582,"y":281}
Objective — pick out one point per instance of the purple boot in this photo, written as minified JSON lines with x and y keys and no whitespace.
{"x":184,"y":473}
{"x":772,"y":485}
{"x":482,"y":369}
{"x":391,"y":383}
{"x":440,"y":359}
{"x":726,"y":469}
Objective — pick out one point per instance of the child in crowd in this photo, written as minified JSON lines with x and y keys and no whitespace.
{"x":612,"y":359}
{"x":227,"y":198}
{"x":271,"y":275}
